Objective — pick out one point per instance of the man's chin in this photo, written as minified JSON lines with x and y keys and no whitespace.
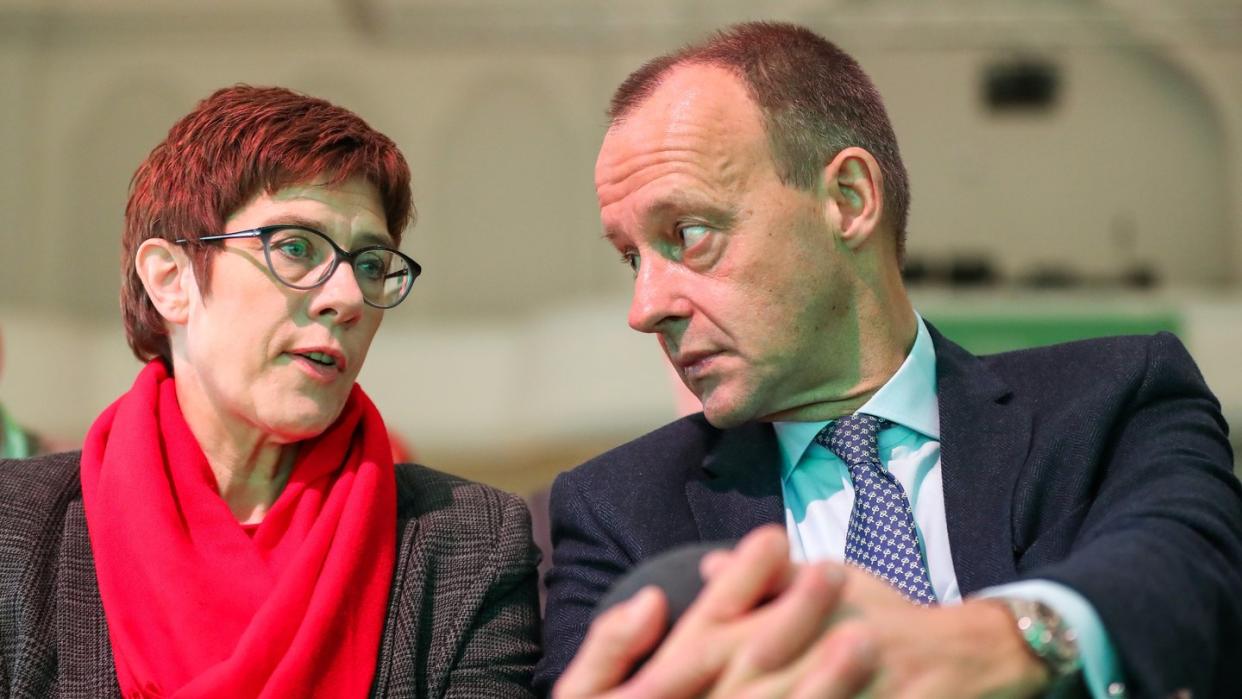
{"x":725,"y":414}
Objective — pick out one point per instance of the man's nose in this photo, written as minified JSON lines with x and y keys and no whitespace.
{"x":659,"y":297}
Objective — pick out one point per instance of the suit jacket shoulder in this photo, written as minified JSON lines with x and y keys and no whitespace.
{"x":33,"y":490}
{"x":1055,"y":373}
{"x":47,"y":582}
{"x":35,"y":494}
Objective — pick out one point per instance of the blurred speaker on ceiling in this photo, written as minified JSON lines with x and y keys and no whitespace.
{"x":1026,"y":84}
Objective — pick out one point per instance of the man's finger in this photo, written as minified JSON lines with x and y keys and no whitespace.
{"x":793,"y":621}
{"x":756,"y":569}
{"x":846,"y":675}
{"x":840,"y":665}
{"x":713,"y":562}
{"x":784,"y":631}
{"x":614,"y":643}
{"x":702,"y":642}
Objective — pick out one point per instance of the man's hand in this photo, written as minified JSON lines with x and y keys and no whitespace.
{"x":729,"y":642}
{"x":765,"y":627}
{"x":951,"y":651}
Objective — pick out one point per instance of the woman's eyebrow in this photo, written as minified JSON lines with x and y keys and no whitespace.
{"x":293,"y":220}
{"x":375,"y":239}
{"x":317,"y":225}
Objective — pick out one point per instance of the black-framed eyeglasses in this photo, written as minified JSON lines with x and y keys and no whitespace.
{"x":304,"y":258}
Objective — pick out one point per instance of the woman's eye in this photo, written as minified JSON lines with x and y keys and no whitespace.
{"x":370,"y":269}
{"x":691,"y":234}
{"x":296,"y":248}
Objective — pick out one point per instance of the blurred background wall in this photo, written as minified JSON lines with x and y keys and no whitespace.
{"x":1076,"y":170}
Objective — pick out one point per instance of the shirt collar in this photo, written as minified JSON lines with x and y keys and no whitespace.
{"x":908,"y":399}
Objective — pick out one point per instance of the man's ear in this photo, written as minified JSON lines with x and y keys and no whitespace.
{"x":855,"y":195}
{"x":168,"y":277}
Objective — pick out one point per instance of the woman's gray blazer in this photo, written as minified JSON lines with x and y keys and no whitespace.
{"x":462,"y":617}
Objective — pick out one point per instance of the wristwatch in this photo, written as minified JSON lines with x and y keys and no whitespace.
{"x":1047,"y":635}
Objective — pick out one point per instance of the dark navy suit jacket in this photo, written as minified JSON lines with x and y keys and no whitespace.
{"x":1101,"y":464}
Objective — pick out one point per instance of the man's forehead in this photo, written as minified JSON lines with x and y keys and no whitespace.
{"x":687,"y":97}
{"x":700,"y":113}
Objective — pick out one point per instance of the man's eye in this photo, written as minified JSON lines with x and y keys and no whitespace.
{"x":631,"y":260}
{"x":691,"y":234}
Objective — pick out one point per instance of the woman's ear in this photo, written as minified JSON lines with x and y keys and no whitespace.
{"x":855,"y":195}
{"x":167,"y":276}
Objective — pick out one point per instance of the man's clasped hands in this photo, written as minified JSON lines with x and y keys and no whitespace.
{"x":764,"y":626}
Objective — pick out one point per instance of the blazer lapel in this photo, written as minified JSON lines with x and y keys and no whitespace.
{"x":737,"y":488}
{"x":84,"y":652}
{"x":984,"y":441}
{"x":399,"y":646}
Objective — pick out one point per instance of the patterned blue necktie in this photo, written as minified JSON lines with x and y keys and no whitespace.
{"x":881,"y":537}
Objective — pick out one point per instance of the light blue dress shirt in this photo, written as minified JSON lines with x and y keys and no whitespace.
{"x":819,"y":497}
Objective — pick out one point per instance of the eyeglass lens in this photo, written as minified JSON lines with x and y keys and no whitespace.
{"x":304,"y":259}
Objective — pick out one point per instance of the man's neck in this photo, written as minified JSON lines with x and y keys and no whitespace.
{"x":887,"y":328}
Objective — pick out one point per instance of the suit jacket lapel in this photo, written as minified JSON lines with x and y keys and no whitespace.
{"x":737,"y":487}
{"x":984,"y":441}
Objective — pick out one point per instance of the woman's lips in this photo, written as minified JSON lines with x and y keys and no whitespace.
{"x":322,"y":373}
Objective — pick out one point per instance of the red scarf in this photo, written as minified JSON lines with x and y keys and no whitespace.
{"x":198,"y":608}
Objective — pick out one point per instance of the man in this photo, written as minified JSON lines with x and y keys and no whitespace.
{"x":1078,"y":500}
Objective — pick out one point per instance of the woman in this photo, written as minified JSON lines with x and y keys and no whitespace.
{"x":234,"y":525}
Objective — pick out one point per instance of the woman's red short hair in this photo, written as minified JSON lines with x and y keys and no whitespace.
{"x":238,"y":142}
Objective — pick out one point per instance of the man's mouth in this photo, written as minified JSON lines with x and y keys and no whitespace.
{"x":692,"y":364}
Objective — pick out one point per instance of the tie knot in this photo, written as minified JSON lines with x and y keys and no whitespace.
{"x":852,"y":438}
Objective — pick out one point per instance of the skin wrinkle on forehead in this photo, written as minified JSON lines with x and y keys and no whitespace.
{"x":644,"y":168}
{"x":674,"y":153}
{"x":673,"y":150}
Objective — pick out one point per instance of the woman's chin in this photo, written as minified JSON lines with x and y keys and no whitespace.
{"x":303,"y":420}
